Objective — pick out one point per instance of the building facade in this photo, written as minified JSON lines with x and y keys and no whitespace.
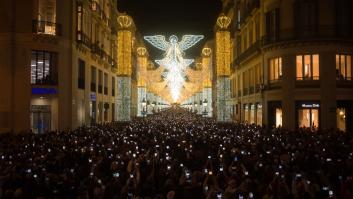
{"x":292,"y":64}
{"x":58,"y":63}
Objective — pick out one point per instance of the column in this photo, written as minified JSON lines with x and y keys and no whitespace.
{"x":124,"y":67}
{"x":222,"y":46}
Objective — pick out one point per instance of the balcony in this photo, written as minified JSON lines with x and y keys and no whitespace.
{"x":253,"y":49}
{"x":83,"y":39}
{"x":46,"y":27}
{"x":313,"y":33}
{"x":96,"y":49}
{"x":46,"y":81}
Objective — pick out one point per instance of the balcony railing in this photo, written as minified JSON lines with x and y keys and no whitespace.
{"x":84,"y":39}
{"x":311,"y":33}
{"x":46,"y":27}
{"x":296,"y":34}
{"x":256,"y":47}
{"x":49,"y":80}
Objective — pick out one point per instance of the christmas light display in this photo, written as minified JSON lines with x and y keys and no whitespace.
{"x":173,"y":59}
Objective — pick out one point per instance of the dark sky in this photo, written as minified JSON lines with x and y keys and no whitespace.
{"x":177,"y":17}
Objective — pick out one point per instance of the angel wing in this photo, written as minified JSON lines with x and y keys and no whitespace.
{"x":158,"y":41}
{"x":189,"y":40}
{"x":161,"y":62}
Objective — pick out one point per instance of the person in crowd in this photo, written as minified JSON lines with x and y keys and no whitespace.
{"x":175,"y":154}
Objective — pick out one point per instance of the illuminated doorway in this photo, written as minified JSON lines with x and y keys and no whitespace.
{"x":40,"y":118}
{"x":341,"y":119}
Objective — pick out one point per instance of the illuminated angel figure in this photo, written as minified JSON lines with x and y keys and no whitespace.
{"x":173,"y":59}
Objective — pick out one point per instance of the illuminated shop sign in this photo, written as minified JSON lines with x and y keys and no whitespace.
{"x":93,"y":97}
{"x":44,"y":91}
{"x":310,"y":105}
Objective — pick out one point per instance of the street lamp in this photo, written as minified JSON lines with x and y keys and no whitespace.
{"x":144,"y":103}
{"x":205,"y":103}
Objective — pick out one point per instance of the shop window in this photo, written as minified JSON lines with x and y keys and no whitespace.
{"x":343,"y":67}
{"x":252,"y":114}
{"x":278,"y":117}
{"x":275,"y":69}
{"x":44,"y":68}
{"x":341,"y":119}
{"x":308,"y":67}
{"x":259,"y":114}
{"x":246,"y":113}
{"x":308,"y":118}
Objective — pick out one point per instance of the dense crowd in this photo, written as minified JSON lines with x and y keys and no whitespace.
{"x":175,"y":154}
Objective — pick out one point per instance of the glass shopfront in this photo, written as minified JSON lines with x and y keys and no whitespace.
{"x":259,"y":114}
{"x":279,"y":117}
{"x":341,"y":119}
{"x":252,"y":114}
{"x":308,"y":114}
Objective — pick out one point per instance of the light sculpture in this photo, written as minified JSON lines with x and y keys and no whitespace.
{"x":173,"y":59}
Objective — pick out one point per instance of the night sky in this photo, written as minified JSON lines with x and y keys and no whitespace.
{"x":177,"y":17}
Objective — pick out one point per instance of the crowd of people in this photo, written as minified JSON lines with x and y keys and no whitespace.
{"x":174,"y":155}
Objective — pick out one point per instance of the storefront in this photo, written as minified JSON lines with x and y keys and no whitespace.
{"x":246,"y":113}
{"x":259,"y":114}
{"x":252,"y":114}
{"x":344,"y":115}
{"x":92,"y":108}
{"x":275,"y":113}
{"x":308,"y":114}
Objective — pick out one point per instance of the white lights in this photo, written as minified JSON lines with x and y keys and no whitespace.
{"x":173,"y":60}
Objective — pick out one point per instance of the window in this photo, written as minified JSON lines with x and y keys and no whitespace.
{"x":272,"y":25}
{"x":45,"y":22}
{"x":308,"y":117}
{"x":44,"y":68}
{"x":81,"y":74}
{"x":93,"y":79}
{"x":100,"y":81}
{"x":305,"y":17}
{"x":113,"y":86}
{"x":275,"y":69}
{"x":308,"y":67}
{"x":105,"y":84}
{"x":343,"y":67}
